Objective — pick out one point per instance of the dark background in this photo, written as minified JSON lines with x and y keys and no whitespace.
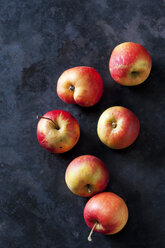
{"x":38,"y":41}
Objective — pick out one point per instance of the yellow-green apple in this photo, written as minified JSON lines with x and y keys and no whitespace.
{"x":118,"y":127}
{"x":130,"y":64}
{"x":86,"y":175}
{"x":82,"y":85}
{"x":58,"y":131}
{"x":105,"y":213}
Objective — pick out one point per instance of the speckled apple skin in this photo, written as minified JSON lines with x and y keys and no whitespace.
{"x":63,"y":139}
{"x":86,"y":172}
{"x":87,"y":86}
{"x":108,"y":210}
{"x":130,"y":64}
{"x":126,"y":131}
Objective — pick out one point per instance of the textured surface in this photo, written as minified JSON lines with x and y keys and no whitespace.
{"x":38,"y":41}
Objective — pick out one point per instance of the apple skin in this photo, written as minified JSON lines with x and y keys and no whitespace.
{"x":118,"y":127}
{"x":86,"y":175}
{"x":58,"y":140}
{"x":82,"y":85}
{"x":109,"y":210}
{"x":130,"y":64}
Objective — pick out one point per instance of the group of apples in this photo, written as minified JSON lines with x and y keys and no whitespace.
{"x":118,"y":127}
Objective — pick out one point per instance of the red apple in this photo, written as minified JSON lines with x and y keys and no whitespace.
{"x":58,"y":131}
{"x":105,"y":213}
{"x":118,"y":127}
{"x":82,"y":85}
{"x":130,"y":64}
{"x":86,"y":175}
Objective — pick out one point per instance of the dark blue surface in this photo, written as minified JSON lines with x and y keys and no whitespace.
{"x":38,"y":41}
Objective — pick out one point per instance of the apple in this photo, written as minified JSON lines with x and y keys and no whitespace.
{"x":105,"y":213}
{"x":86,"y":175}
{"x":118,"y":127}
{"x":58,"y":131}
{"x":82,"y":85}
{"x":130,"y":64}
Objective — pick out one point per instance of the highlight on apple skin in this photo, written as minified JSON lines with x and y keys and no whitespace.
{"x":105,"y":213}
{"x":86,"y":175}
{"x":58,"y":131}
{"x":130,"y":64}
{"x":80,"y":85}
{"x":118,"y":127}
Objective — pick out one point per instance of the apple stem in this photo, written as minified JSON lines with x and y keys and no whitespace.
{"x":43,"y":117}
{"x":114,"y":125}
{"x":88,"y":187}
{"x":89,"y":190}
{"x":71,"y":87}
{"x":91,"y":232}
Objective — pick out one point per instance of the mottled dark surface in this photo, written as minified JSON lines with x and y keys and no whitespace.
{"x":38,"y":41}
